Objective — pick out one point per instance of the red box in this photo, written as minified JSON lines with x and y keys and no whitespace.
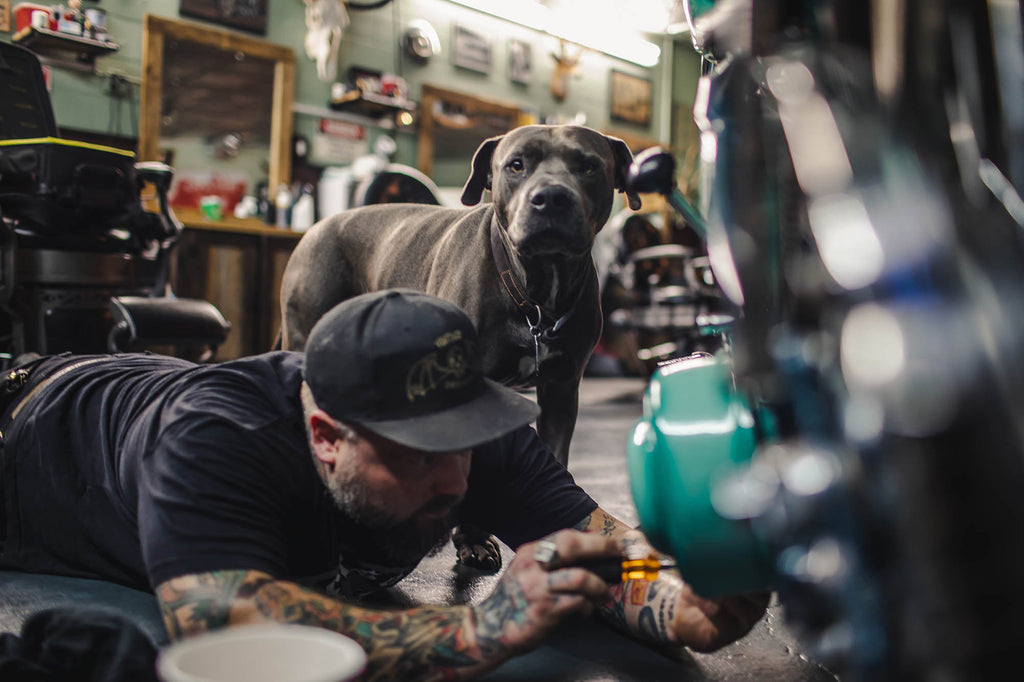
{"x":23,"y":14}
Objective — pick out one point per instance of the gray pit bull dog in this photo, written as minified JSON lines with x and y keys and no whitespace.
{"x":520,"y":266}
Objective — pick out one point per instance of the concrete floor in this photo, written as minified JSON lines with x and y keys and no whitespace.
{"x":588,"y":651}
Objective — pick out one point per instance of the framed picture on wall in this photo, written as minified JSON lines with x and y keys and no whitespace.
{"x":248,"y":15}
{"x":519,"y":58}
{"x":630,"y":98}
{"x":471,"y":50}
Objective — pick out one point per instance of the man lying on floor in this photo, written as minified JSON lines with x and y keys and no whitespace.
{"x":285,"y":487}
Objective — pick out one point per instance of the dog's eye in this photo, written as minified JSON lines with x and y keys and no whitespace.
{"x":588,"y":168}
{"x":516,"y":165}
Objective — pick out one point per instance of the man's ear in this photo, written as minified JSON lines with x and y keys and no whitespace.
{"x":480,"y":178}
{"x":623,"y":157}
{"x":325,"y":438}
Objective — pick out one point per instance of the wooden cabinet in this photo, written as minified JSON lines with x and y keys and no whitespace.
{"x":237,"y":265}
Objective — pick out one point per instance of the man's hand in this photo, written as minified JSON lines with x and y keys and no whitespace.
{"x":533,"y":596}
{"x":708,"y":624}
{"x":666,"y":610}
{"x":699,"y":623}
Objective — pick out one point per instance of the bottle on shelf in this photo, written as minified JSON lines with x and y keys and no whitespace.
{"x":303,"y":210}
{"x":283,"y":206}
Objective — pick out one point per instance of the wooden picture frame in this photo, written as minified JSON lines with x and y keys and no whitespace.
{"x":520,"y":60}
{"x":630,"y":98}
{"x":247,"y":15}
{"x":471,"y":50}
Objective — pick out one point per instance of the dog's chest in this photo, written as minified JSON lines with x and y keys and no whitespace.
{"x":532,"y":364}
{"x":520,"y":362}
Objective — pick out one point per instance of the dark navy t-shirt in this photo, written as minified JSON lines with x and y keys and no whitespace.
{"x":210,"y":466}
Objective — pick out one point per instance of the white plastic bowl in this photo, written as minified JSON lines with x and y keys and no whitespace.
{"x":263,"y":653}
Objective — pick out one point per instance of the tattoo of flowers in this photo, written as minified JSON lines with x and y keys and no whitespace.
{"x":203,"y":604}
{"x":411,"y":644}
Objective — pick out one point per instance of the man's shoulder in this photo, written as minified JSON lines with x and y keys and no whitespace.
{"x":251,"y":392}
{"x":516,"y":448}
{"x":266,"y":371}
{"x":285,"y":364}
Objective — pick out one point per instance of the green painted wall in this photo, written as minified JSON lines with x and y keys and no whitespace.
{"x":81,"y":101}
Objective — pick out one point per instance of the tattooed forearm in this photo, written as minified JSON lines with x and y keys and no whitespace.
{"x":202,"y":602}
{"x":645,"y":609}
{"x":423,"y":643}
{"x":601,"y":522}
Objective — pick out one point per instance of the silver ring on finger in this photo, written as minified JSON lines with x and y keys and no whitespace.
{"x":546,"y":554}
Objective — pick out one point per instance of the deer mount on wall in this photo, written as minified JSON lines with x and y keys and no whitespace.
{"x":565,"y":66}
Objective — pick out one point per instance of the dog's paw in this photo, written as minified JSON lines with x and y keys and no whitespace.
{"x":480,"y":552}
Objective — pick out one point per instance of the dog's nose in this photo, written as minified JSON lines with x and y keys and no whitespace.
{"x":551,"y":200}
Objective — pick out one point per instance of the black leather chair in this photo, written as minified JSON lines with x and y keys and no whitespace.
{"x":83,"y":264}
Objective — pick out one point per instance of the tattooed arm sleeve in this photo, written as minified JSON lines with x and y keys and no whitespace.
{"x":422,"y":643}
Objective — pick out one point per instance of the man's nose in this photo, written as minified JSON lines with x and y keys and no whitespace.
{"x":451,"y":474}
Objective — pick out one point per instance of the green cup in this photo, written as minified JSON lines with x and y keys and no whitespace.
{"x":212,"y":207}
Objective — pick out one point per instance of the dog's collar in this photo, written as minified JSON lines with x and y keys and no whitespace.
{"x":508,"y":278}
{"x":544,"y":325}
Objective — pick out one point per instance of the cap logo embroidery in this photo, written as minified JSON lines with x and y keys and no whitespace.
{"x":445,"y":368}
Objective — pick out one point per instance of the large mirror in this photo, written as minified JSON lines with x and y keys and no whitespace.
{"x":452,"y":125}
{"x":216,"y":105}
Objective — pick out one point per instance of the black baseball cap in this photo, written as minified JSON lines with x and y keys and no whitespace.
{"x":406,"y":366}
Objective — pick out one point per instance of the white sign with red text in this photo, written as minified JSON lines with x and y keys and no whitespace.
{"x":338,"y":142}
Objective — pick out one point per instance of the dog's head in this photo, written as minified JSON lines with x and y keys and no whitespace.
{"x":552,"y":186}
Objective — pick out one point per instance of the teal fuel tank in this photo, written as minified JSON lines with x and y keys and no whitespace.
{"x":687,"y":455}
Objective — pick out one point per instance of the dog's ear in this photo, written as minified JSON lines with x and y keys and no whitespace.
{"x":623,"y":157}
{"x":480,"y":178}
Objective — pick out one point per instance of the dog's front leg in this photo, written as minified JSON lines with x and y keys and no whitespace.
{"x":559,"y":404}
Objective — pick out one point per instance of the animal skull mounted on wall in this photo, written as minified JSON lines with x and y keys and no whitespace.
{"x":325,"y":20}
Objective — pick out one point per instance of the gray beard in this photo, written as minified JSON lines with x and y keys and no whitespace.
{"x":399,"y":542}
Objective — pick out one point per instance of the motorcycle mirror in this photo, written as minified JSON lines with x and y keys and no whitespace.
{"x":652,"y":170}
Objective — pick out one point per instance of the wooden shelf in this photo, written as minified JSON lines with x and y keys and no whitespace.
{"x":43,"y":39}
{"x":195,"y":220}
{"x":367,"y":104}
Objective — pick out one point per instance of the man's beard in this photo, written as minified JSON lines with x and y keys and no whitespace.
{"x":399,"y":542}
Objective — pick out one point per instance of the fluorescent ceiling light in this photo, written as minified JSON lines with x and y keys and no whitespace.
{"x":589,"y":24}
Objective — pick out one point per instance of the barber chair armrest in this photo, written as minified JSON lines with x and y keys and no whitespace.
{"x":141,"y":321}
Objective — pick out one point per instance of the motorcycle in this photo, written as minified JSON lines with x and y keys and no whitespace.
{"x":858,"y":444}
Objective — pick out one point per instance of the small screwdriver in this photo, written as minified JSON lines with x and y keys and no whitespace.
{"x":618,"y":570}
